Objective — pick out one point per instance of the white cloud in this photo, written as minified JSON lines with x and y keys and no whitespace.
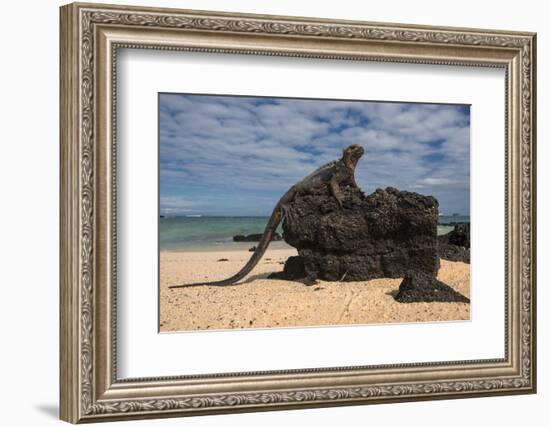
{"x":257,"y":146}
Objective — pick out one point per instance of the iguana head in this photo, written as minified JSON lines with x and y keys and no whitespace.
{"x":352,"y":154}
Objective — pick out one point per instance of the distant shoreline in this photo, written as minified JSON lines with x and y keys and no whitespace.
{"x":166,"y":216}
{"x":226,"y":246}
{"x":210,"y":234}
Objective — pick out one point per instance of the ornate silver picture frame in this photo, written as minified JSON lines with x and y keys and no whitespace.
{"x":91,"y":36}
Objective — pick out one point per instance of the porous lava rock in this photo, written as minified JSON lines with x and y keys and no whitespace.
{"x":421,"y":287}
{"x":455,"y":245}
{"x":385,"y":234}
{"x":293,"y":270}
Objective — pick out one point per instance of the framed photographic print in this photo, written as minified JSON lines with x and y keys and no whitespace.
{"x":266,"y":212}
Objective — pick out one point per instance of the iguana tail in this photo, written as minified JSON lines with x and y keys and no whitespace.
{"x":272,"y":224}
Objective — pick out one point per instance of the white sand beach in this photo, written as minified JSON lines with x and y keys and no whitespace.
{"x":258,"y":302}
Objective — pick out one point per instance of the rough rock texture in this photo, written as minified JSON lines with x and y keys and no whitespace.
{"x":293,"y":270}
{"x":460,"y":236}
{"x":454,"y":253}
{"x":385,"y":234}
{"x":254,"y":237}
{"x":421,"y":287}
{"x":455,"y":245}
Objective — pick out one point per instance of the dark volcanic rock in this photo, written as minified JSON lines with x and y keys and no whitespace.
{"x":421,"y":287}
{"x":385,"y":234}
{"x":454,"y":253}
{"x":255,"y":237}
{"x":460,"y":236}
{"x":455,"y":245}
{"x":293,"y":270}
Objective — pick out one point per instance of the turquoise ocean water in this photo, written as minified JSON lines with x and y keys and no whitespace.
{"x":211,"y":233}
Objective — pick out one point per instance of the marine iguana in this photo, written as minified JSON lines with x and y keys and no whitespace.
{"x":331,"y":174}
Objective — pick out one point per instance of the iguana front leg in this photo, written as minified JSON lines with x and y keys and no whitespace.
{"x":336,"y":192}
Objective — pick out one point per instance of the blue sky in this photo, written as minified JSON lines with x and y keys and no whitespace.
{"x":229,"y":155}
